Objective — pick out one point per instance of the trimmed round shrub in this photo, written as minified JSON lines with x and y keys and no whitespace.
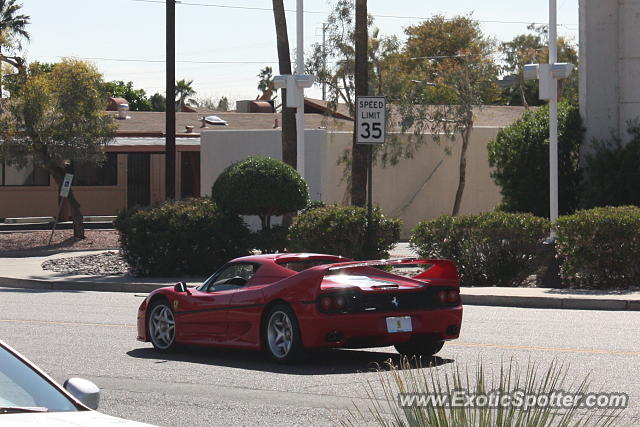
{"x":600,"y":248}
{"x":260,"y":186}
{"x":490,"y":249}
{"x":342,"y":230}
{"x":185,"y":238}
{"x":520,"y":157}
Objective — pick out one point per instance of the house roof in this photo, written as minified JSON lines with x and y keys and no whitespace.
{"x":152,"y":124}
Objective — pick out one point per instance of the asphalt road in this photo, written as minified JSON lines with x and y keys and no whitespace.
{"x":92,"y":335}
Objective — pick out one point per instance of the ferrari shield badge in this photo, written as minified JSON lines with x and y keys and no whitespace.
{"x":175,"y":304}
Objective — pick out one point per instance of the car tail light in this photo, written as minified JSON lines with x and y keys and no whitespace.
{"x":326,"y":303}
{"x":442,"y":297}
{"x":339,"y":302}
{"x":453,"y":296}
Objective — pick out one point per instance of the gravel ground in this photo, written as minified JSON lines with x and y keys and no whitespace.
{"x":105,"y":264}
{"x":33,"y":243}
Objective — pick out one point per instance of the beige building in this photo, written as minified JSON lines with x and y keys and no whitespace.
{"x":609,"y":66}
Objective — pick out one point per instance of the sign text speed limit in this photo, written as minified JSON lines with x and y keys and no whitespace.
{"x":370,"y":119}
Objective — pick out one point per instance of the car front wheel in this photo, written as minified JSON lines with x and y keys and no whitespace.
{"x":162,"y":326}
{"x":282,"y":335}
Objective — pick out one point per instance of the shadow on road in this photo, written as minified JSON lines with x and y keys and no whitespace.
{"x":319,"y":362}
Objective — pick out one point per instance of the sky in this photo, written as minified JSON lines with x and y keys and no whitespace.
{"x":224,"y":43}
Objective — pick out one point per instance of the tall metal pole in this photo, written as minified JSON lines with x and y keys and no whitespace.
{"x":300,"y":70}
{"x":553,"y":118}
{"x":170,"y":110}
{"x":324,"y":60}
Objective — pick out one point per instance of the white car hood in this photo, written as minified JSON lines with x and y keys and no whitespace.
{"x":66,"y":419}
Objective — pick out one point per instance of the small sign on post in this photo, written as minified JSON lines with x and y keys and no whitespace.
{"x":66,"y":185}
{"x":370,"y":119}
{"x":64,"y":193}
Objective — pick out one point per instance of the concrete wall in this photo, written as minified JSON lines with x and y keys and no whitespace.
{"x":415,"y":189}
{"x":609,"y":66}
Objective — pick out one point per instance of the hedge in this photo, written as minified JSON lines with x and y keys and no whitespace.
{"x":342,"y":230}
{"x":185,"y":238}
{"x":600,"y":248}
{"x":490,"y":249}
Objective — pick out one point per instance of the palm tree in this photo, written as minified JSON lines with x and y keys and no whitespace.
{"x":289,"y":137}
{"x":359,"y":161}
{"x":12,"y":28}
{"x":183,"y":91}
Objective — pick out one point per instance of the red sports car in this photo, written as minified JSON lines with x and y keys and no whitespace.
{"x":286,"y":303}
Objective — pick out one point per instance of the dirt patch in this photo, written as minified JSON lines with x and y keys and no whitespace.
{"x":104,"y":264}
{"x":36,"y":243}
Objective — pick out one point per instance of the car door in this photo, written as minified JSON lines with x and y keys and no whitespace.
{"x":203,"y":314}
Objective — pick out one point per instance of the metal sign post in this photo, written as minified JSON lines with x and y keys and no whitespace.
{"x":64,"y":193}
{"x":370,"y":127}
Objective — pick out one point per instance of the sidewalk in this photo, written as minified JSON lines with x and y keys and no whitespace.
{"x":28,"y":273}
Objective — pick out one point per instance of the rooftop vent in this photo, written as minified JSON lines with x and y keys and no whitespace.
{"x":123,"y":109}
{"x":215,"y":120}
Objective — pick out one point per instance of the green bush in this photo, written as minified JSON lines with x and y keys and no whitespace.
{"x":342,"y":230}
{"x":490,"y":249}
{"x":520,"y":157}
{"x":260,"y":186}
{"x":600,"y":248}
{"x":612,"y":171}
{"x":192,"y":237}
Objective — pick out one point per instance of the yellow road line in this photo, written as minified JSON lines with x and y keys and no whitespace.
{"x":50,"y":322}
{"x":536,"y":348}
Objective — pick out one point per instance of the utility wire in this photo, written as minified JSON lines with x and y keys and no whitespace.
{"x":315,"y":12}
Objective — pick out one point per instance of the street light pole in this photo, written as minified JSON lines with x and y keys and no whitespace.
{"x":300,"y":71}
{"x":553,"y":119}
{"x":170,"y":110}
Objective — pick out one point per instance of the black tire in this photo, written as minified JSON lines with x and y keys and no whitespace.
{"x":281,"y":335}
{"x":161,"y":324}
{"x":420,"y":347}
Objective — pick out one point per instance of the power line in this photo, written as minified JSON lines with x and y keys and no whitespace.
{"x":316,"y":12}
{"x":162,"y":61}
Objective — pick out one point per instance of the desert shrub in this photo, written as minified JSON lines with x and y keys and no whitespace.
{"x":260,"y":186}
{"x":342,"y":230}
{"x":520,"y":157}
{"x":600,"y":247}
{"x":612,"y":171}
{"x":490,"y":249}
{"x":405,"y":396}
{"x":192,"y":237}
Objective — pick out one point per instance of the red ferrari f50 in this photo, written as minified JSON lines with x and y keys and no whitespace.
{"x":286,"y":303}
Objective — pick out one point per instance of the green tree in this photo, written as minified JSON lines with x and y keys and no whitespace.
{"x":452,"y":70}
{"x":137,"y":98}
{"x":58,"y":117}
{"x":530,"y":48}
{"x":13,"y":27}
{"x":184,"y":90}
{"x":158,"y":102}
{"x":260,"y":186}
{"x":520,"y":157}
{"x":223,"y":104}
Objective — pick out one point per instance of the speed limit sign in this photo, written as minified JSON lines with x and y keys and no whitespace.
{"x":370,"y":113}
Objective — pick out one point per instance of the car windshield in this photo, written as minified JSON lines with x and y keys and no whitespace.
{"x":22,"y":389}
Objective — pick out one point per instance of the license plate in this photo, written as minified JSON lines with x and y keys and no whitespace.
{"x":399,"y":324}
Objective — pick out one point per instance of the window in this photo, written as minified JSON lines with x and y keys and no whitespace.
{"x":90,"y":174}
{"x":30,"y":175}
{"x":229,"y":277}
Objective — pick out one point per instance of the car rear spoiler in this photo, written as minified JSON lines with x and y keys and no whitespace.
{"x":440,"y":268}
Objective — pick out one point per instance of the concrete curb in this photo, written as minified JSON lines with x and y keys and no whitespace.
{"x":486,"y":300}
{"x":551,"y":302}
{"x":7,"y":282}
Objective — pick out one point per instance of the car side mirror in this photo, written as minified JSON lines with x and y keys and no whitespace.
{"x":84,"y":390}
{"x":182,"y":287}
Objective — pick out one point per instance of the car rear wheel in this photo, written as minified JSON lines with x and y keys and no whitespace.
{"x":282,"y":335}
{"x":420,"y":347}
{"x":162,"y":326}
